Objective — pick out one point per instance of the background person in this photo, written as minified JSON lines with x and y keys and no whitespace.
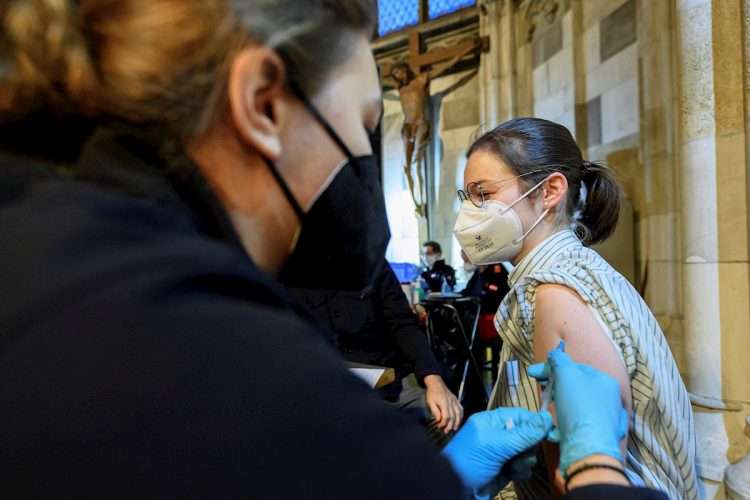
{"x":438,"y":276}
{"x":487,"y":283}
{"x":490,"y":285}
{"x":377,"y":326}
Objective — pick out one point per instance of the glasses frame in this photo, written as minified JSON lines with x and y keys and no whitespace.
{"x":465,"y":195}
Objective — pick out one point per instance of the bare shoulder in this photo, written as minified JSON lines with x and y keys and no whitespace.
{"x":559,"y":314}
{"x":558,"y":303}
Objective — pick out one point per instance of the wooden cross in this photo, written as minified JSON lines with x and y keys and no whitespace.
{"x":418,"y":60}
{"x":414,"y":94}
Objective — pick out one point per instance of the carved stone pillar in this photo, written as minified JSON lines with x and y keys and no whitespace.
{"x":491,"y":61}
{"x":714,"y":188}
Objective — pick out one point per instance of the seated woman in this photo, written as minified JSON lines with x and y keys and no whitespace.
{"x":531,"y":199}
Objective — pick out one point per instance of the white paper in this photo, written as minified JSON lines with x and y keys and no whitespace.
{"x":369,"y":375}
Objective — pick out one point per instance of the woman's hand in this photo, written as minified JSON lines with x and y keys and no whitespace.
{"x":443,"y":404}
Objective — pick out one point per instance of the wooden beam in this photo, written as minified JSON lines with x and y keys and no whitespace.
{"x":424,"y":12}
{"x":414,"y":51}
{"x":438,"y":55}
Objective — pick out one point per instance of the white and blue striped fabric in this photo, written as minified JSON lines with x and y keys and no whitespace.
{"x":661,"y":443}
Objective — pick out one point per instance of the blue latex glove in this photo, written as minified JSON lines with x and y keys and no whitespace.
{"x":590,"y":417}
{"x":483,"y":446}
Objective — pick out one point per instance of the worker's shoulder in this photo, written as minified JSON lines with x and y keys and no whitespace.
{"x":126,"y":277}
{"x":65,"y":241}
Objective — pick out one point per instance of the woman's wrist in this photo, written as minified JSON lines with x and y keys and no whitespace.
{"x":598,"y":475}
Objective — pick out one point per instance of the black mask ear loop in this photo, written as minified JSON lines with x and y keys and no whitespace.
{"x":331,"y":133}
{"x":322,"y":121}
{"x":285,"y":189}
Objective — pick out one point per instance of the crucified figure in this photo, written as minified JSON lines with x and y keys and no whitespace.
{"x":414,"y":92}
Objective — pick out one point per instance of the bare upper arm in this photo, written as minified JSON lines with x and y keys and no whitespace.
{"x":561,"y":314}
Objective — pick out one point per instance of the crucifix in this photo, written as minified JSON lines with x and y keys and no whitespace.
{"x":412,"y":79}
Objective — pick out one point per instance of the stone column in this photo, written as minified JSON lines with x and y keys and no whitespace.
{"x":658,"y":182}
{"x":489,"y":72}
{"x":579,"y":75}
{"x":507,"y":85}
{"x":497,"y":69}
{"x":714,"y":190}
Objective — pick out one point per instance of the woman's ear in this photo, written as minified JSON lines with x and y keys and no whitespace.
{"x":257,"y":81}
{"x":554,"y":190}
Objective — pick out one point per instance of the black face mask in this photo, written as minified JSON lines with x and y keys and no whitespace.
{"x":344,"y":236}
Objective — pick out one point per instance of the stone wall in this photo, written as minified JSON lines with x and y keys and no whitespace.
{"x":552,"y":74}
{"x":713,"y":161}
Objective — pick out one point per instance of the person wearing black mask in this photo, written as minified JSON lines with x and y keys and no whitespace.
{"x":147,"y":348}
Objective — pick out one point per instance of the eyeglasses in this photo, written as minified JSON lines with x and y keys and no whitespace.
{"x":477,"y":195}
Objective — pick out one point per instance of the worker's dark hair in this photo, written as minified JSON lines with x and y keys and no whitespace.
{"x":434,"y":245}
{"x":537,"y":148}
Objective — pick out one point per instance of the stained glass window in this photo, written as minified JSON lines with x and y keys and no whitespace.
{"x":439,"y":8}
{"x":394,"y":15}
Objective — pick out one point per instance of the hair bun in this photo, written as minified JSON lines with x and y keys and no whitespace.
{"x":46,"y":57}
{"x":604,"y":195}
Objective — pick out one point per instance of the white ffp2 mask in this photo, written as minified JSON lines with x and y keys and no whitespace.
{"x":493,"y":233}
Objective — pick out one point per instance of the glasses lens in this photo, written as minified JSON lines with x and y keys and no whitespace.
{"x":476,"y":195}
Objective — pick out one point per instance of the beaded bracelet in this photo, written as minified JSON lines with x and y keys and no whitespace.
{"x":586,"y":467}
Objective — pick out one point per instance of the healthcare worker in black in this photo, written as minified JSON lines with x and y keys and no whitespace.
{"x":145,"y":348}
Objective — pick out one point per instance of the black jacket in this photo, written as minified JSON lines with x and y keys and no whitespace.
{"x":439,"y":273}
{"x":375,"y":326}
{"x":142,"y":354}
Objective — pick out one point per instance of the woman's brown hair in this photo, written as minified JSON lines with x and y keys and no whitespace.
{"x":161,"y":62}
{"x":537,"y":148}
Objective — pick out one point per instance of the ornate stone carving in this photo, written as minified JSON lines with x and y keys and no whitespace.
{"x":538,"y":13}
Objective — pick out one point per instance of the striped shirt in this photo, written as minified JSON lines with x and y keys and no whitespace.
{"x":661,"y":442}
